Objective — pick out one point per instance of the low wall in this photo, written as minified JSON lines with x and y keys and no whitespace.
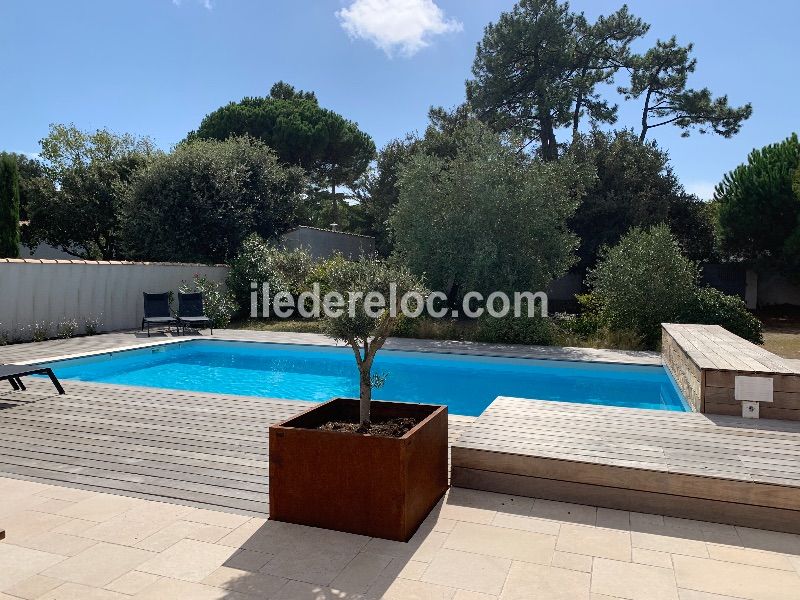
{"x":688,"y":376}
{"x":33,"y":290}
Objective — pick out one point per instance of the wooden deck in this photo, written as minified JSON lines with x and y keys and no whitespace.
{"x":691,"y":465}
{"x":204,"y":450}
{"x":706,"y":359}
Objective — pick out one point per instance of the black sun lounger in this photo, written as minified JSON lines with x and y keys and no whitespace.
{"x":13,"y":373}
{"x":157,"y":312}
{"x":191,"y":312}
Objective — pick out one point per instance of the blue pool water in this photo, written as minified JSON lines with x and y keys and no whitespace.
{"x":467,"y":384}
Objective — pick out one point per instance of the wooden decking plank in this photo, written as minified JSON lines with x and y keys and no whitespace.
{"x":69,"y":452}
{"x":190,"y":459}
{"x":187,"y":444}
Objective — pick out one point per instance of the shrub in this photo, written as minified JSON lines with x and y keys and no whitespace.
{"x":199,"y":203}
{"x":218,"y":303}
{"x":537,"y":331}
{"x":92,"y":325}
{"x":712,"y":307}
{"x":66,"y":328}
{"x":642,"y":282}
{"x":40,"y":331}
{"x":5,"y":337}
{"x":283,"y":270}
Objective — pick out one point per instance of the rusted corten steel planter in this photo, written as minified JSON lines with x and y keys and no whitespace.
{"x":376,"y":486}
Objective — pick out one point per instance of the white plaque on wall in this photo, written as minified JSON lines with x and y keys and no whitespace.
{"x":753,"y":389}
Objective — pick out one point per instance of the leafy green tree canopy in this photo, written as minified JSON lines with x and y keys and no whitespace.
{"x":487,"y":218}
{"x":198,"y":203}
{"x":660,"y":77}
{"x":302,"y":133}
{"x":75,"y":205}
{"x":635,"y":187}
{"x":9,"y":206}
{"x":758,"y":210}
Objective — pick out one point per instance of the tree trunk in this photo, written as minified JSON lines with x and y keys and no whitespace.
{"x":547,"y":137}
{"x":645,"y":110}
{"x":335,"y":213}
{"x":365,"y":393}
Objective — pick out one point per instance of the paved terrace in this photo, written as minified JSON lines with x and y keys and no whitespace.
{"x":185,"y":513}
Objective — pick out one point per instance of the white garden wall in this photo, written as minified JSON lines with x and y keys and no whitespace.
{"x":33,"y":290}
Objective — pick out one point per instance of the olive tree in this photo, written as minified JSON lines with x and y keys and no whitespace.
{"x":486,"y":218}
{"x":355,"y":316}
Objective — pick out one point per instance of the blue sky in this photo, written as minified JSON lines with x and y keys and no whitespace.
{"x":156,"y":67}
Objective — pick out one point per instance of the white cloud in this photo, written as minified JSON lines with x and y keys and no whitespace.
{"x":205,"y":3}
{"x":702,"y":189}
{"x":404,"y":25}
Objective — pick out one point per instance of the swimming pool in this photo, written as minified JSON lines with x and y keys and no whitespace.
{"x":466,"y":383}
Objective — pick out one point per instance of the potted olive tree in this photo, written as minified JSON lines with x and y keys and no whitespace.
{"x":375,"y":468}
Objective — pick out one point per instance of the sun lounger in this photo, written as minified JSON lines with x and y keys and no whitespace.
{"x":157,"y":312}
{"x":191,"y":312}
{"x":14,"y":373}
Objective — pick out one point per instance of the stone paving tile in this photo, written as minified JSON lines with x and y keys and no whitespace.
{"x":175,"y":589}
{"x":526,"y":523}
{"x":99,"y":565}
{"x":26,"y":524}
{"x":361,"y":573}
{"x":406,"y":589}
{"x":565,"y":512}
{"x":248,"y":560}
{"x":245,"y":582}
{"x":595,"y":541}
{"x":465,"y":570}
{"x":614,"y":519}
{"x":653,"y":558}
{"x":34,"y":587}
{"x":123,"y":530}
{"x":318,"y":566}
{"x":545,"y":583}
{"x":77,"y":591}
{"x":467,"y":595}
{"x":100,"y":507}
{"x":18,"y":564}
{"x":57,"y":543}
{"x":504,"y":543}
{"x":633,"y":581}
{"x":747,"y":556}
{"x":298,"y":590}
{"x":694,"y":595}
{"x":132,"y":582}
{"x":772,"y":541}
{"x":179,"y":530}
{"x":574,"y":562}
{"x":731,"y":579}
{"x":188,"y":560}
{"x":669,"y":543}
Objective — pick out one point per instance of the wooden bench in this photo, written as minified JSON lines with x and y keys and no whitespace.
{"x":706,"y":359}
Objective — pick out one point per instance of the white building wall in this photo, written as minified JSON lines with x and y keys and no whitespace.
{"x":34,"y":290}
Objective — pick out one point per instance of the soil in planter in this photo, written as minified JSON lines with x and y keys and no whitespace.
{"x":396,"y":427}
